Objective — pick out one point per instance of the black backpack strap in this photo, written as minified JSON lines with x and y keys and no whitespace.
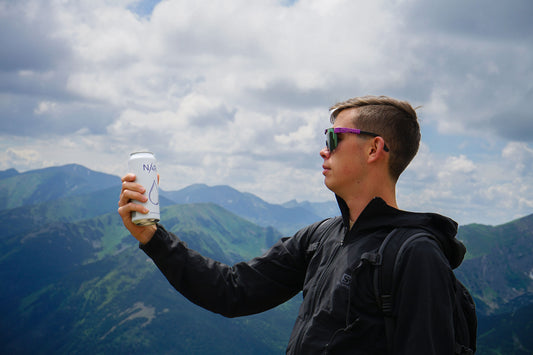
{"x":387,"y":258}
{"x":386,"y":262}
{"x":383,"y":299}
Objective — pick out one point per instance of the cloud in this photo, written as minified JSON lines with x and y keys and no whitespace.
{"x":475,"y":62}
{"x":494,"y":20}
{"x":471,"y":192}
{"x":27,"y":38}
{"x":265,"y":55}
{"x":516,"y":120}
{"x":26,"y":157}
{"x":237,"y":92}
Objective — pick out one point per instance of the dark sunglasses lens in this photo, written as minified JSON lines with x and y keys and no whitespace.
{"x":331,"y":140}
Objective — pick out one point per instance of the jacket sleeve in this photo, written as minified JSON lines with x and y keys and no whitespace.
{"x":242,"y":289}
{"x":424,"y":289}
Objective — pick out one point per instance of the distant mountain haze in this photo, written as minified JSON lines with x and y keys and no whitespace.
{"x":74,"y":281}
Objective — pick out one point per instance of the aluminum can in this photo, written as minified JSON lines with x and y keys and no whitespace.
{"x":144,"y":166}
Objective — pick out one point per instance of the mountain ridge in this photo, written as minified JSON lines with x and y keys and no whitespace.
{"x":94,"y":268}
{"x":74,"y":279}
{"x":72,"y":181}
{"x":286,"y":219}
{"x":50,"y":183}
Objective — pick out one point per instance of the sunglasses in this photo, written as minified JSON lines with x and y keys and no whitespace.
{"x":332,"y":139}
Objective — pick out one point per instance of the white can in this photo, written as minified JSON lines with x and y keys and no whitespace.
{"x":144,"y":166}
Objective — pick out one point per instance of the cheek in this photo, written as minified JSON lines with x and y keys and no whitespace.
{"x":346,"y":168}
{"x":351,"y":174}
{"x":351,"y":166}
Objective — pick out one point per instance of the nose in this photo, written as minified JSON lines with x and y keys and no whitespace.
{"x":325,"y":153}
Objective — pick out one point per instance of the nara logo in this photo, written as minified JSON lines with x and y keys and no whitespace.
{"x":150,"y":167}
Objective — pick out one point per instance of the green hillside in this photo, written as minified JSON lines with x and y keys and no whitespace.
{"x":499,"y":334}
{"x":499,"y":264}
{"x":51,"y":184}
{"x":84,"y":287}
{"x":74,"y":280}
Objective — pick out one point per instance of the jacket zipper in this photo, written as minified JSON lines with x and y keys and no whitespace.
{"x":319,"y":289}
{"x":347,"y":317}
{"x":320,"y":284}
{"x":332,"y":256}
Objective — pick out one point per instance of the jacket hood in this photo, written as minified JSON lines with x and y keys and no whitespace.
{"x":379,"y":215}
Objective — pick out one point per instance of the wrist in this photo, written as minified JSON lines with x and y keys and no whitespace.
{"x":147,"y":234}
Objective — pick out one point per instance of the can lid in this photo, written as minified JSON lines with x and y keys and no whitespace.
{"x":141,"y":152}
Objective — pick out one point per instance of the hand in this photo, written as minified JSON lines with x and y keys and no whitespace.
{"x":133,"y":191}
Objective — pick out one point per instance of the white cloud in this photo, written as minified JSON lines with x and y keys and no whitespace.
{"x":520,"y":154}
{"x":45,"y":106}
{"x":17,"y":156}
{"x":493,"y":190}
{"x":456,"y":165}
{"x":237,"y":92}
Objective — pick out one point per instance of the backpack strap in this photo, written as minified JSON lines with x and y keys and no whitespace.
{"x":385,"y":261}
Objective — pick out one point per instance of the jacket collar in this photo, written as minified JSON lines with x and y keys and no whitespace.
{"x":377,"y":215}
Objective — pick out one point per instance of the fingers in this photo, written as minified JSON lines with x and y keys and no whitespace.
{"x":133,"y":191}
{"x":125,"y":209}
{"x":129,"y":177}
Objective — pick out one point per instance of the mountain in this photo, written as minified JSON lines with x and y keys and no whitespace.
{"x":322,"y":209}
{"x":84,"y":287}
{"x":74,"y":281}
{"x":498,"y":271}
{"x":8,"y":173}
{"x":285,"y":219}
{"x":50,"y":184}
{"x":507,"y":333}
{"x":69,"y":182}
{"x":499,"y":265}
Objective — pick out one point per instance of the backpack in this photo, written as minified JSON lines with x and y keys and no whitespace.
{"x":385,"y":263}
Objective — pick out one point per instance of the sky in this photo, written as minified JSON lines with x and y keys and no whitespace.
{"x":237,"y":92}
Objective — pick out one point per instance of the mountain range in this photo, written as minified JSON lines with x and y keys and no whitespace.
{"x":287,"y":218}
{"x":74,"y":280}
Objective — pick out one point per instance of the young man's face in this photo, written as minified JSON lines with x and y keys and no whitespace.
{"x":345,"y":168}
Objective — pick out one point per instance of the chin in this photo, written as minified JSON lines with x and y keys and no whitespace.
{"x":329,"y":185}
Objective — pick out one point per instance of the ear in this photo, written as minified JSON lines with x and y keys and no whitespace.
{"x":376,"y":149}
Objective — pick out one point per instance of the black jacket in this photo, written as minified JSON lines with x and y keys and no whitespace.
{"x":339,"y":314}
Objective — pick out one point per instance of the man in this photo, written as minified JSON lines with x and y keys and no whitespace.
{"x":372,"y":141}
